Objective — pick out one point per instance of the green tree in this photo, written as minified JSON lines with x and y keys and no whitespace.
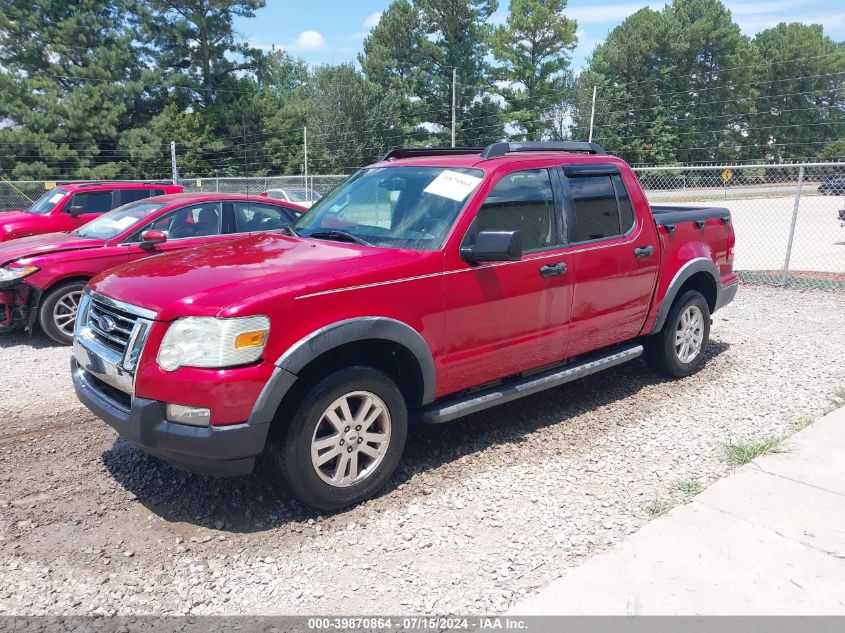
{"x":533,"y":47}
{"x":801,"y":100}
{"x":350,"y":120}
{"x":70,"y":85}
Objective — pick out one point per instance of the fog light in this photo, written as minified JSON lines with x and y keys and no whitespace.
{"x":194,"y":416}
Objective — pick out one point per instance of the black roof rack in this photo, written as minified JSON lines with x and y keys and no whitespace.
{"x":413,"y":152}
{"x":500,"y":149}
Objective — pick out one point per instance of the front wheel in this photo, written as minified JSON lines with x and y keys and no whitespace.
{"x":678,"y":349}
{"x":344,"y":440}
{"x":57,"y":315}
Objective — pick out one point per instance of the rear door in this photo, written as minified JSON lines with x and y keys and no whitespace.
{"x":615,"y":258}
{"x":256,"y":217}
{"x":503,"y":318}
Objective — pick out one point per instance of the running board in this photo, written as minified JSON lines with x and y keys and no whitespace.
{"x":452,"y":408}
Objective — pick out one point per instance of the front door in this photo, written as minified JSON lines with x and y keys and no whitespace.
{"x":88,"y":205}
{"x":192,"y":225}
{"x":503,"y":318}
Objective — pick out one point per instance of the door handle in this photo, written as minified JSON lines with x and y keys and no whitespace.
{"x":550,"y":270}
{"x":643,"y":251}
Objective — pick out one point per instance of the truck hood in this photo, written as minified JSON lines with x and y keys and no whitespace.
{"x":217,"y":279}
{"x":43,"y":245}
{"x":13,"y":223}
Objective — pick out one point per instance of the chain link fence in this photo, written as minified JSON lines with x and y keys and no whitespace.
{"x":789,"y":219}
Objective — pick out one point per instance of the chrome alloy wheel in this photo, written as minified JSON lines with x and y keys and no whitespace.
{"x":351,"y":439}
{"x":689,"y":334}
{"x":64,"y":312}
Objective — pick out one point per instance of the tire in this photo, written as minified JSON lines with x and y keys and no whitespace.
{"x":315,"y":453}
{"x":688,"y":323}
{"x":57,"y":314}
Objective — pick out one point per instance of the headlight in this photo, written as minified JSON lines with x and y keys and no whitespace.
{"x":213,"y":343}
{"x":11,"y":274}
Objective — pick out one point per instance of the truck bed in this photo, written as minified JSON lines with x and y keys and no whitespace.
{"x":673,"y":214}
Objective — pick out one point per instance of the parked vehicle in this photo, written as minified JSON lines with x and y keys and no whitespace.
{"x":74,"y":204}
{"x":298,"y":195}
{"x":433,"y":284}
{"x":834,"y":186}
{"x":42,"y":277}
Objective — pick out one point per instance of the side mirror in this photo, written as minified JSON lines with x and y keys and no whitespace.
{"x":76,"y":211}
{"x":494,"y":246}
{"x":150,"y":238}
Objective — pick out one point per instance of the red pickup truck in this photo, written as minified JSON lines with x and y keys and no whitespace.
{"x":42,"y":277}
{"x":71,"y":205}
{"x":432,"y":284}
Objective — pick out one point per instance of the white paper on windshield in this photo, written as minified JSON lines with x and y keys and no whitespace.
{"x":453,"y":185}
{"x":125,"y":223}
{"x":56,"y":197}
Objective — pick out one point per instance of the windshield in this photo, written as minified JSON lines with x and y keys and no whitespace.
{"x":116,"y":222}
{"x":48,"y":201}
{"x":398,"y":207}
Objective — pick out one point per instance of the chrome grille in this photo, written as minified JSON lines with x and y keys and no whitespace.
{"x":110,"y":326}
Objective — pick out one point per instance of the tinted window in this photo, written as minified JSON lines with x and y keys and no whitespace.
{"x":198,"y":220}
{"x":156,"y":192}
{"x":131,"y":195}
{"x":92,"y":201}
{"x":251,"y":217}
{"x":596,"y":210}
{"x":521,"y":201}
{"x":626,"y":209}
{"x":47,"y":202}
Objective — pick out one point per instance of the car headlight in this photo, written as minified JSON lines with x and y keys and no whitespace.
{"x":213,"y":343}
{"x":13,"y":274}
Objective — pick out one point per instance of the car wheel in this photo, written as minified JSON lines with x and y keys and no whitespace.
{"x":344,"y":440}
{"x":678,"y":350}
{"x":57,"y":315}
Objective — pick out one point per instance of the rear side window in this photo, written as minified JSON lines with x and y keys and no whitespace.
{"x":253,"y":216}
{"x":599,"y":213}
{"x":521,"y":201}
{"x":131,"y":195}
{"x":92,"y":201}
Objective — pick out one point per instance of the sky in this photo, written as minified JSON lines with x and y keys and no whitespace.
{"x":332,"y":31}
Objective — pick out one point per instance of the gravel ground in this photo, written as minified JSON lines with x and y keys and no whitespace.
{"x":480,"y":513}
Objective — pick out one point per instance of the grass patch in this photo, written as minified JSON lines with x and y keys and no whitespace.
{"x":743,"y":452}
{"x":803,"y":422}
{"x":657,"y":507}
{"x":689,"y":487}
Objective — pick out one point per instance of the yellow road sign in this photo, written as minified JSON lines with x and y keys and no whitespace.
{"x":727,"y":175}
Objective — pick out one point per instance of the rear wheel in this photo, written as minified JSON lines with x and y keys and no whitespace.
{"x":57,"y":315}
{"x":344,"y":440}
{"x":678,"y":350}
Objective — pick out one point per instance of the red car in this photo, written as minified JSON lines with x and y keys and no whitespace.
{"x":71,"y":205}
{"x":42,"y":277}
{"x":433,"y":284}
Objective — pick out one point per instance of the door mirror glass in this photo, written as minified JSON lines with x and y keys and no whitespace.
{"x":493,"y":246}
{"x":152,"y":237}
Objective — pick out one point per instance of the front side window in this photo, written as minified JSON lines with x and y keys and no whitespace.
{"x":251,"y":217}
{"x":48,"y":201}
{"x":197,"y":220}
{"x":115,"y":222}
{"x":521,"y":201}
{"x":399,"y":207}
{"x":91,"y":202}
{"x":596,"y":209}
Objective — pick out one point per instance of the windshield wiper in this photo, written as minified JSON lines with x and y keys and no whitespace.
{"x":290,"y":231}
{"x":340,"y":236}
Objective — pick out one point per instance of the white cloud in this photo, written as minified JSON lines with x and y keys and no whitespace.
{"x":308,"y":41}
{"x":371,"y":20}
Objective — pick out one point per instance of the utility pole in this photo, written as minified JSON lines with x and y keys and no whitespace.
{"x":454,"y":82}
{"x":174,"y":171}
{"x":305,"y":143}
{"x":592,"y":114}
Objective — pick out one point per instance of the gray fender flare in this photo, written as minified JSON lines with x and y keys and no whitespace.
{"x":330,"y":337}
{"x":697,"y":265}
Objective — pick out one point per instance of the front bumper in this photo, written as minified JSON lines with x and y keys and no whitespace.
{"x":212,"y":450}
{"x":19,"y":305}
